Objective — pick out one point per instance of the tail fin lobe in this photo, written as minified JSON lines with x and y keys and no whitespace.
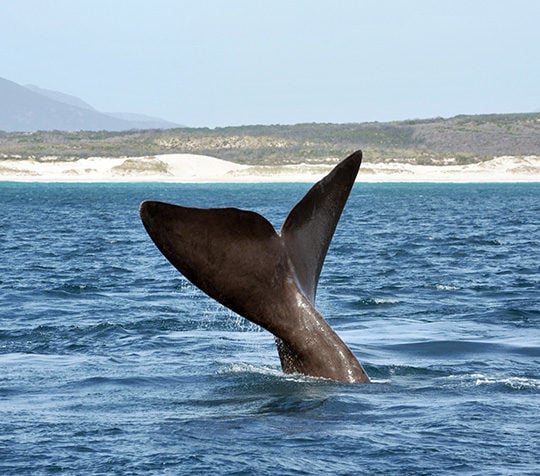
{"x":310,"y":225}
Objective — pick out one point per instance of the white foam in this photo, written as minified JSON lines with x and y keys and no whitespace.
{"x":513,"y":382}
{"x":386,"y":301}
{"x":517,"y":383}
{"x":242,"y":367}
{"x":446,"y":287}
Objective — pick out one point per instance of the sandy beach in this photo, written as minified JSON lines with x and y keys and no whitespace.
{"x":203,"y":169}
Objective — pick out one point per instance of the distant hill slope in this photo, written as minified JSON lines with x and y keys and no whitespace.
{"x":27,"y":109}
{"x":62,"y":97}
{"x":458,"y":140}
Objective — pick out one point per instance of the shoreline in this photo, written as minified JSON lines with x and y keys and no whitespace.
{"x":190,"y":168}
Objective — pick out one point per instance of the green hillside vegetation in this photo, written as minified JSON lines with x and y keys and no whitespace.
{"x":461,"y":139}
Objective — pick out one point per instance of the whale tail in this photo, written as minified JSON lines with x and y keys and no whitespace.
{"x":236,"y":257}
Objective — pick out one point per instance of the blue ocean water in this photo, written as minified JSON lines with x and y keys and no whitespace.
{"x":112,"y":363}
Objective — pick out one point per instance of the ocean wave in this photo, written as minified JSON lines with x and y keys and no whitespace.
{"x":273,"y":374}
{"x":387,"y":373}
{"x":245,"y":368}
{"x":379,"y":375}
{"x":74,"y":290}
{"x":443,"y":287}
{"x":451,"y":348}
{"x":516,"y":383}
{"x":508,"y":383}
{"x":51,"y":339}
{"x":141,"y":381}
{"x":375,"y":302}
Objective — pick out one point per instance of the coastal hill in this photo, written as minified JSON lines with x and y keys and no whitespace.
{"x":458,"y":140}
{"x":30,"y":108}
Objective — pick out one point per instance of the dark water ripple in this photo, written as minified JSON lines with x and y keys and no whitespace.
{"x":112,"y":363}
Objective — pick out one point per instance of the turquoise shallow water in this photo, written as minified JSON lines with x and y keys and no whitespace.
{"x":112,"y":363}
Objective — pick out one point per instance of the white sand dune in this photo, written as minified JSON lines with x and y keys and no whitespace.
{"x":200,"y":168}
{"x":499,"y":169}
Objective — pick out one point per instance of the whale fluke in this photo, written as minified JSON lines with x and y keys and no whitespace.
{"x":236,"y":257}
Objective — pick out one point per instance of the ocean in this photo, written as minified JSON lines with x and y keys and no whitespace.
{"x":112,"y":363}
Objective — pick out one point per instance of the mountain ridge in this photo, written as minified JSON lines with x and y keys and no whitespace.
{"x":31,"y":108}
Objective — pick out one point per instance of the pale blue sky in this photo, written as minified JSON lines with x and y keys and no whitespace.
{"x":230,"y":62}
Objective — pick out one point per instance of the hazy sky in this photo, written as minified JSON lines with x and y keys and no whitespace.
{"x":229,"y":62}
